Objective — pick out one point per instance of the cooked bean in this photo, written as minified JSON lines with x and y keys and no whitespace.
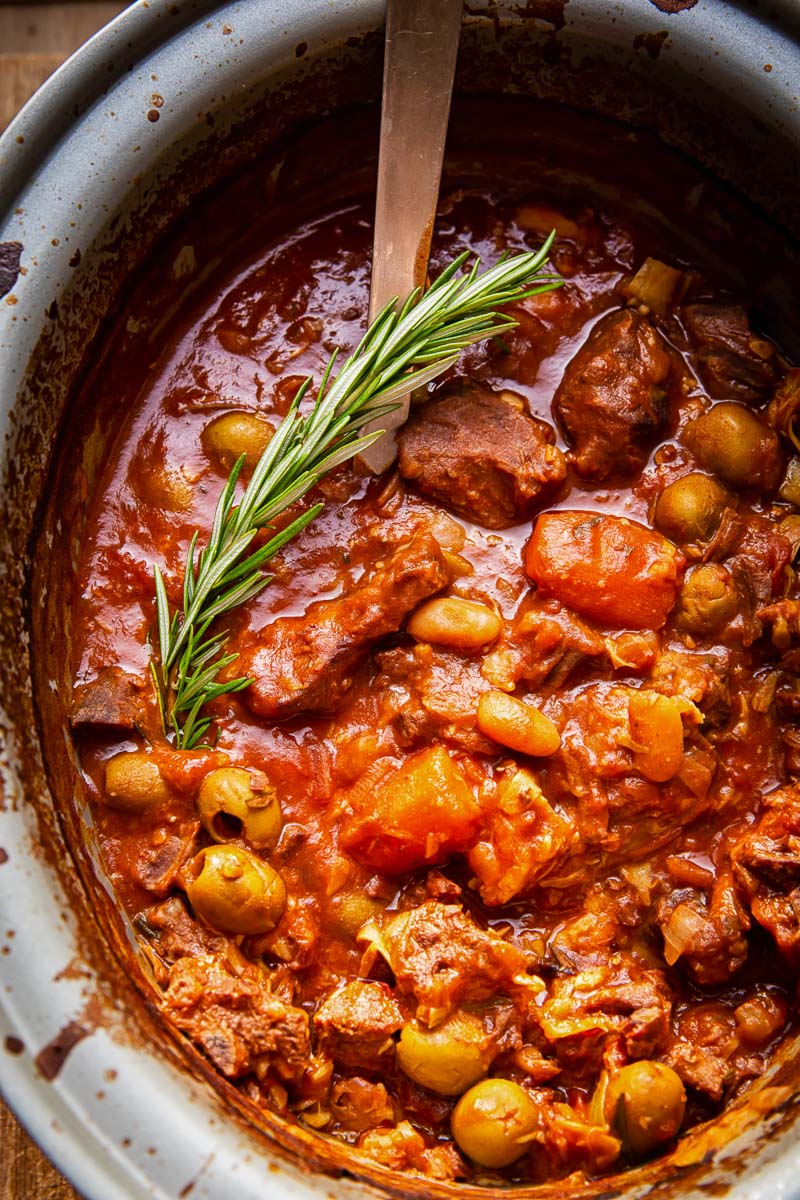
{"x":644,"y":1103}
{"x":235,"y":892}
{"x":448,"y":1059}
{"x":519,"y":726}
{"x":707,"y":599}
{"x":133,"y":782}
{"x":657,"y":731}
{"x":737,"y":445}
{"x":233,"y":434}
{"x":494,"y":1122}
{"x":455,"y":623}
{"x":689,"y":510}
{"x":234,"y":802}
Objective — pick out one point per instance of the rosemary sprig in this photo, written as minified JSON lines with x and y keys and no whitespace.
{"x":403,"y":349}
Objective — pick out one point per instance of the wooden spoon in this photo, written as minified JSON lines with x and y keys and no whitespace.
{"x":419,"y":64}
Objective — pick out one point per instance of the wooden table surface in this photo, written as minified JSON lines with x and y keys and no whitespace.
{"x":34,"y":40}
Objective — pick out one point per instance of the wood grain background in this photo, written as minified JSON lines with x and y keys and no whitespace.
{"x":34,"y":40}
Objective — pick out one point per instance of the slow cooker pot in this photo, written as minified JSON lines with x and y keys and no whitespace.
{"x":161,"y":104}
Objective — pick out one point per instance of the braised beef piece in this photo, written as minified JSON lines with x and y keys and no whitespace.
{"x":766,"y":867}
{"x":158,"y":864}
{"x":174,"y":934}
{"x":613,"y":400}
{"x":476,"y":453}
{"x":237,"y":1019}
{"x":356,"y":1023}
{"x":307,"y":664}
{"x":723,"y":341}
{"x":115,"y":700}
{"x":709,"y":937}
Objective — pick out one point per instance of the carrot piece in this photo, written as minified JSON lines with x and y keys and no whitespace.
{"x":417,"y":817}
{"x":605,"y":567}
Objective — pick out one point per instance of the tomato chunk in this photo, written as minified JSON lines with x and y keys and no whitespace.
{"x":417,"y":817}
{"x":605,"y":567}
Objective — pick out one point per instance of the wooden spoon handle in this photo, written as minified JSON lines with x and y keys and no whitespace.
{"x":422,"y":39}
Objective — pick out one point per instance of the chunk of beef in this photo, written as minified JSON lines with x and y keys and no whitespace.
{"x":703,"y":678}
{"x":523,"y":841}
{"x":355,"y":1024}
{"x":432,"y":694}
{"x":726,"y":353}
{"x":173,"y":933}
{"x":546,"y":642}
{"x":438,"y":954}
{"x":613,"y":400}
{"x":782,"y":620}
{"x":766,"y":867}
{"x":707,"y":1052}
{"x":236,"y":1019}
{"x":477,"y":454}
{"x":620,"y":1000}
{"x":158,"y":863}
{"x":708,"y":936}
{"x":404,"y":1149}
{"x":307,"y":664}
{"x":115,"y":700}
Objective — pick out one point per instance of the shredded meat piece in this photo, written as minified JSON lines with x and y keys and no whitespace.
{"x":766,"y":867}
{"x":569,"y":1143}
{"x":701,"y":677}
{"x":403,"y":1149}
{"x":723,"y":345}
{"x":438,"y":954}
{"x":480,"y":456}
{"x":356,"y":1104}
{"x":523,"y":840}
{"x":356,"y":1023}
{"x":709,"y":937}
{"x":613,"y":400}
{"x":307,"y":664}
{"x":620,"y":999}
{"x":783,"y":622}
{"x":173,"y":934}
{"x":237,"y":1019}
{"x":545,"y":642}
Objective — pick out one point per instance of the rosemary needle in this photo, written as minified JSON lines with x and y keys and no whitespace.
{"x":404,"y":348}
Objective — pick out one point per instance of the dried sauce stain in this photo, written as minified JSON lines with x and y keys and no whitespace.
{"x":10,"y":253}
{"x":3,"y":856}
{"x":673,"y":6}
{"x":14,"y":1045}
{"x":651,"y":42}
{"x":52,"y":1057}
{"x":153,"y":115}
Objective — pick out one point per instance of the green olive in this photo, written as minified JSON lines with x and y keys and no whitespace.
{"x":234,"y":802}
{"x":494,"y":1122}
{"x":707,"y":599}
{"x":235,"y":892}
{"x":133,"y":782}
{"x":644,"y":1104}
{"x":352,"y":909}
{"x":737,"y":445}
{"x":227,"y":437}
{"x":689,"y":510}
{"x":448,"y":1059}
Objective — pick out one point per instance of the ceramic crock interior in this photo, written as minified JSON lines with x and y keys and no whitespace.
{"x":522,"y":54}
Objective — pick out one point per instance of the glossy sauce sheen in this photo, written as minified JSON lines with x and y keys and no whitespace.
{"x":635,"y":837}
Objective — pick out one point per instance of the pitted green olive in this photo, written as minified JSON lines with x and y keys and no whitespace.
{"x":448,"y":1059}
{"x":234,"y":802}
{"x":133,"y":782}
{"x":235,"y":892}
{"x":738,"y":446}
{"x":644,"y":1103}
{"x":227,"y":437}
{"x":689,"y":510}
{"x":494,"y":1122}
{"x":707,"y":599}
